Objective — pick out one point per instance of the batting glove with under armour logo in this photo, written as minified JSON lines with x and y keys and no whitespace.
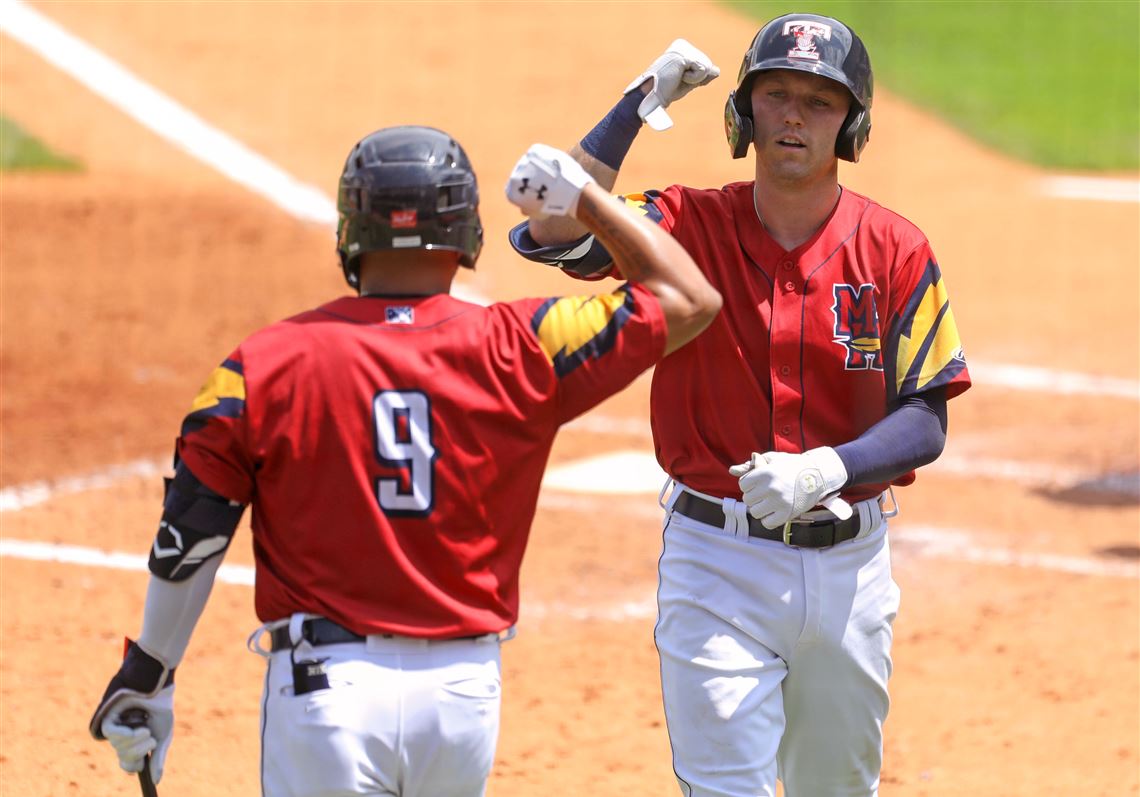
{"x":679,"y":70}
{"x":547,"y":182}
{"x":779,"y":487}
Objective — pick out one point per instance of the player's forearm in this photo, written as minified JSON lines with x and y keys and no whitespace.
{"x":646,"y":254}
{"x":910,"y":437}
{"x":172,"y":611}
{"x":564,"y":229}
{"x":600,"y":153}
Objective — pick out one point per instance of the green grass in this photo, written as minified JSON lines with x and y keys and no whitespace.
{"x":1056,"y":83}
{"x":21,"y":151}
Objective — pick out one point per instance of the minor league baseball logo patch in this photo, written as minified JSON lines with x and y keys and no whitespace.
{"x":857,"y":326}
{"x":399,"y":314}
{"x":806,"y":33}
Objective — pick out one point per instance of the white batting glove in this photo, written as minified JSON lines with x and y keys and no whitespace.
{"x":146,"y":683}
{"x":675,"y":73}
{"x":547,"y":182}
{"x":133,"y":745}
{"x":779,"y":487}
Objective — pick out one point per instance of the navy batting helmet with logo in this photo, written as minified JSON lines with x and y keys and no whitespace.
{"x":808,"y":43}
{"x":407,"y":187}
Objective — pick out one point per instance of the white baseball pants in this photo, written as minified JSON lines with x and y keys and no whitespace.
{"x":775,"y":660}
{"x":401,"y":718}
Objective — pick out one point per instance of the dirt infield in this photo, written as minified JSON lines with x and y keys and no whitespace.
{"x":1018,"y":644}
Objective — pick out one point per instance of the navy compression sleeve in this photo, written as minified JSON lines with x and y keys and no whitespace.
{"x":911,"y":436}
{"x":612,"y":137}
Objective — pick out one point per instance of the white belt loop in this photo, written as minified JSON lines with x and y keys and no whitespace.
{"x":296,"y":620}
{"x":726,"y":505}
{"x":506,"y":636}
{"x":735,"y":517}
{"x":667,"y":503}
{"x":865,"y":513}
{"x":894,"y":510}
{"x":253,"y":642}
{"x":741,"y":512}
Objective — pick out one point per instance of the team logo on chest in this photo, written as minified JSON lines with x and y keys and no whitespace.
{"x":857,"y":326}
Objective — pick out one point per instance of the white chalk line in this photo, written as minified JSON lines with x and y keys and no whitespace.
{"x":162,"y":115}
{"x":1097,"y":189}
{"x":944,"y":543}
{"x":1046,"y":380}
{"x":22,"y":496}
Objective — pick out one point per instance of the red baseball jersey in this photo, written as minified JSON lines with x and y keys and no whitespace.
{"x":393,"y":448}
{"x":812,"y":346}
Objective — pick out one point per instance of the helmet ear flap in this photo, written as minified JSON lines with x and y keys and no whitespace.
{"x":854,"y":134}
{"x":737,"y":128}
{"x":350,"y":269}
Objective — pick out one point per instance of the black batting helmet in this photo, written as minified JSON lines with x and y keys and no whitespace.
{"x":407,"y":187}
{"x":808,"y":43}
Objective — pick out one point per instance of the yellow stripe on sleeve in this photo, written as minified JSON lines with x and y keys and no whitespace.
{"x":945,"y":347}
{"x":637,"y":203}
{"x":925,"y":316}
{"x":574,"y":322}
{"x":223,"y":383}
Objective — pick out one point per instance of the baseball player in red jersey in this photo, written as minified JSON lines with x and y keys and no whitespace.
{"x":392,"y":446}
{"x":782,"y":427}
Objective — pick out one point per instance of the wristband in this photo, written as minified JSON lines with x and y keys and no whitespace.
{"x":612,"y":137}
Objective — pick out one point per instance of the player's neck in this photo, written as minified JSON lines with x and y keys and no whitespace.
{"x":421,"y":273}
{"x":792,"y":216}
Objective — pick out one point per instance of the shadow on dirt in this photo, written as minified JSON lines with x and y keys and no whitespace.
{"x":1121,"y":488}
{"x":1121,"y":551}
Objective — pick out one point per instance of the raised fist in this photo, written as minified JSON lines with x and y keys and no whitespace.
{"x":546,"y":182}
{"x":679,"y":70}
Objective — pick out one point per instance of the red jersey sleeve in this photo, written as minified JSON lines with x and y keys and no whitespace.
{"x":595,"y":345}
{"x":212,"y":442}
{"x":923,"y":350}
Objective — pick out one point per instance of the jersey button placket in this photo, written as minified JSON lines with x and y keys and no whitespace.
{"x":786,"y":344}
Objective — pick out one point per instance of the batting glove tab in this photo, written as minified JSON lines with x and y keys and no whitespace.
{"x":679,"y":70}
{"x":779,"y":487}
{"x":142,"y":683}
{"x":547,"y":182}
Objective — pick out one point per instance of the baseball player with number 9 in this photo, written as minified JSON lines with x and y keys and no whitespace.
{"x":392,"y":446}
{"x":784,"y":426}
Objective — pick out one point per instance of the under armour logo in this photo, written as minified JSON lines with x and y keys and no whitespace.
{"x":541,"y":193}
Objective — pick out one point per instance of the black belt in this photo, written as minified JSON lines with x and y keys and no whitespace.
{"x":316,"y":631}
{"x":820,"y":534}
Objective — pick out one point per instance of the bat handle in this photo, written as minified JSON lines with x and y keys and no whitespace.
{"x":137,"y":717}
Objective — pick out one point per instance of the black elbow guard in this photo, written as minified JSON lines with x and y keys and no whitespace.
{"x":197,"y":524}
{"x":585,"y":258}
